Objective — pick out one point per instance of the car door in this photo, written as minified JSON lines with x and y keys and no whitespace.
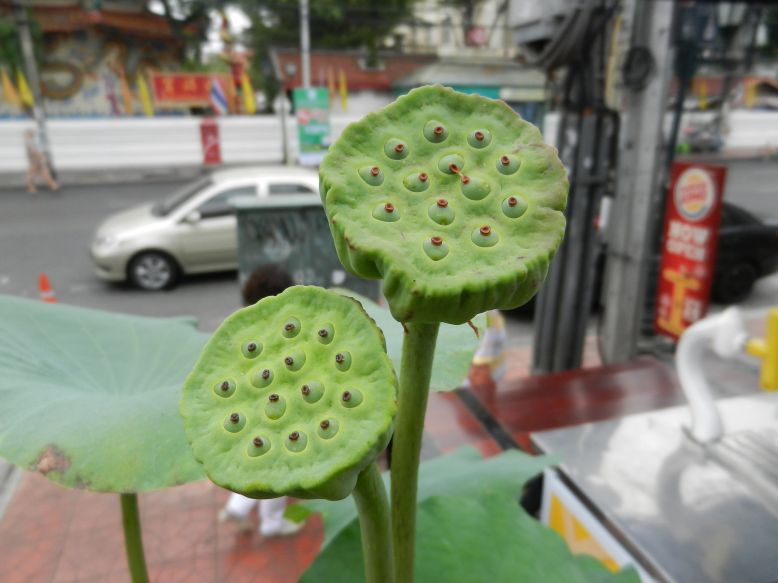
{"x":208,"y":233}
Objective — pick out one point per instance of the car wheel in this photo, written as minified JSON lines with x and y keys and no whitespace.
{"x":735,"y":283}
{"x":153,"y":271}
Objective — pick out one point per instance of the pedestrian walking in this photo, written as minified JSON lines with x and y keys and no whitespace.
{"x":37,"y":166}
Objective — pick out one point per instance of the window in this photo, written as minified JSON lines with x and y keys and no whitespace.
{"x":289,"y":188}
{"x":164,"y":208}
{"x":219,"y":206}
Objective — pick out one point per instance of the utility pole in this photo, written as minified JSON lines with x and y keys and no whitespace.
{"x":31,"y":72}
{"x":305,"y":44}
{"x":635,"y":206}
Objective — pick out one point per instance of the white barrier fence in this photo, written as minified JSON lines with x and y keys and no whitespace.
{"x":168,"y":143}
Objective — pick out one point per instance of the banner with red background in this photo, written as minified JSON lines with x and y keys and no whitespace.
{"x":689,"y":245}
{"x":186,"y":89}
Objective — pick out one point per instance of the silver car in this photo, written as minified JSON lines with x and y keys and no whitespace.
{"x":193,"y":231}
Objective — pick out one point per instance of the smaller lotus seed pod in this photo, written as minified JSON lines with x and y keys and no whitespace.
{"x":294,"y":361}
{"x":514,"y":207}
{"x":435,"y":131}
{"x":252,"y":349}
{"x":291,"y":328}
{"x":275,"y":407}
{"x":351,"y":398}
{"x":258,"y":446}
{"x":373,"y":175}
{"x":480,"y":138}
{"x":343,"y":361}
{"x":262,"y":378}
{"x":224,"y":388}
{"x":386,"y":212}
{"x":474,"y":188}
{"x":417,"y":182}
{"x":328,"y":428}
{"x":234,"y":422}
{"x":298,"y":437}
{"x":485,"y":236}
{"x":396,"y":149}
{"x":451,"y":164}
{"x":507,"y":164}
{"x":435,"y":248}
{"x":441,"y":212}
{"x":297,"y":441}
{"x":312,"y":391}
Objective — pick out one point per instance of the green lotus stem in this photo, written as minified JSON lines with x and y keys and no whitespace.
{"x":133,"y":541}
{"x":415,"y":373}
{"x":375,"y":523}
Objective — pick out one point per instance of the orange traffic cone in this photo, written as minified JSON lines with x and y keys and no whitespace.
{"x":44,"y":288}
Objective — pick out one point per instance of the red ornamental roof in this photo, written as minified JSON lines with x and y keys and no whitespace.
{"x":354,"y":66}
{"x":73,"y":18}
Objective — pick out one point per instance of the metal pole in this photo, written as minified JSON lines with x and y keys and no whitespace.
{"x":634,"y":208}
{"x":284,"y":137}
{"x":305,"y":44}
{"x":31,"y":71}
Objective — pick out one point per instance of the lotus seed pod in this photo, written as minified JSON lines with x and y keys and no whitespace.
{"x":308,"y":414}
{"x":479,"y":156}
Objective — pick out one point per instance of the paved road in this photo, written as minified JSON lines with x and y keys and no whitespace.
{"x":51,"y":232}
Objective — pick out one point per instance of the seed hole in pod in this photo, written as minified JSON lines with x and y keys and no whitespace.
{"x":351,"y":398}
{"x":294,"y":361}
{"x":386,"y":212}
{"x":291,"y":328}
{"x":435,"y":131}
{"x":514,"y":207}
{"x":396,"y":149}
{"x":435,"y":248}
{"x":328,"y":428}
{"x":224,"y":388}
{"x":475,"y":188}
{"x":441,"y":212}
{"x":312,"y":391}
{"x":479,"y":138}
{"x":262,"y":378}
{"x":251,"y":349}
{"x":485,"y":236}
{"x":258,"y":446}
{"x":451,"y":164}
{"x":417,"y":182}
{"x":507,"y":164}
{"x":343,"y":361}
{"x":326,"y":333}
{"x":373,"y":175}
{"x":275,"y":407}
{"x":296,"y":441}
{"x":234,"y":422}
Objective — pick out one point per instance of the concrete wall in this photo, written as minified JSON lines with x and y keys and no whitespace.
{"x":167,"y":143}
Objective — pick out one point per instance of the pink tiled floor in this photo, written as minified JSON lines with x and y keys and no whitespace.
{"x":53,"y":535}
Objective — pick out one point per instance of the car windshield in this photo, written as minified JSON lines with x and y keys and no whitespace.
{"x":183,"y":194}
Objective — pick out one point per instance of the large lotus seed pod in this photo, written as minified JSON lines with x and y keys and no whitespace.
{"x":453,"y":199}
{"x":294,"y":395}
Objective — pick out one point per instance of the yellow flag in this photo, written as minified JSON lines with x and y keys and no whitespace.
{"x":145,"y":97}
{"x":249,"y":105}
{"x":343,"y":90}
{"x":750,"y":99}
{"x":24,"y":90}
{"x":331,"y":85}
{"x":9,"y":91}
{"x":702,"y":92}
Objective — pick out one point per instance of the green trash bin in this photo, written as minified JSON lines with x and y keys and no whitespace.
{"x":292,"y":231}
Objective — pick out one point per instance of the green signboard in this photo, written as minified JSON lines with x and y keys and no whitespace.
{"x":313,"y":123}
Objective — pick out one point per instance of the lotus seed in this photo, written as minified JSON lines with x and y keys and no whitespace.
{"x":479,"y":138}
{"x":475,"y":188}
{"x":396,"y":149}
{"x":295,"y":361}
{"x":386,"y":212}
{"x":251,"y":349}
{"x":224,"y":388}
{"x":296,"y":442}
{"x":441,"y":212}
{"x":514,"y":207}
{"x":258,"y":446}
{"x":326,"y":334}
{"x":485,"y":237}
{"x":508,"y":164}
{"x":262,"y":378}
{"x":451,"y":164}
{"x":234,"y":422}
{"x":435,"y":131}
{"x":291,"y":328}
{"x":417,"y":182}
{"x":351,"y":398}
{"x":327,"y":429}
{"x":312,"y":391}
{"x":276,"y":407}
{"x":343,"y":361}
{"x":372,"y":175}
{"x":435,"y":248}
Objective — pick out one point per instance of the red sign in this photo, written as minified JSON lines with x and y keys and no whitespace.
{"x":184,"y":89}
{"x":209,"y":139}
{"x":689,"y":245}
